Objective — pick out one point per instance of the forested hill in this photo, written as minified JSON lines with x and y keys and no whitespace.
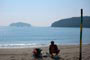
{"x":72,"y":22}
{"x":20,"y":24}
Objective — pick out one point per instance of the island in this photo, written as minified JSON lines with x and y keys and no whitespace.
{"x":72,"y":22}
{"x":20,"y":24}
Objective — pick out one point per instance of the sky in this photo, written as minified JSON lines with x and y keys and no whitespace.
{"x":40,"y":13}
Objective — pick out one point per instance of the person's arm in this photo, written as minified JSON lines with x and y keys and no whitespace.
{"x":56,"y":47}
{"x":50,"y":49}
{"x":57,"y":50}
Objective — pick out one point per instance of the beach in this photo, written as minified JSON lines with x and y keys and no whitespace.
{"x":67,"y":52}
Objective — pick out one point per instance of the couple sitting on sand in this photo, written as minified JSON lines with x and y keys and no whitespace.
{"x":53,"y":50}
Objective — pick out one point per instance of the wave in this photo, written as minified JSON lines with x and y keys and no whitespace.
{"x":33,"y":45}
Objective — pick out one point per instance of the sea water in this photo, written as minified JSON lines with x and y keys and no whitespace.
{"x":12,"y":37}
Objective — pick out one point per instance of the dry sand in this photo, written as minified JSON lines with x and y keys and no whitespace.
{"x":69,"y":52}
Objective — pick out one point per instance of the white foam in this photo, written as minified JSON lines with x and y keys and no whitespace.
{"x":21,"y":45}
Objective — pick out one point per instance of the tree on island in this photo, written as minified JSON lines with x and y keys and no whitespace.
{"x":20,"y":24}
{"x":72,"y":22}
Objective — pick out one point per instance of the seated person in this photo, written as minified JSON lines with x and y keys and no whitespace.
{"x":37,"y":53}
{"x":53,"y":49}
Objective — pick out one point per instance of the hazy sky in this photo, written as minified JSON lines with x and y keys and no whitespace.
{"x":40,"y":12}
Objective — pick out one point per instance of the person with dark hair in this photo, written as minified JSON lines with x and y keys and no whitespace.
{"x":53,"y":49}
{"x":37,"y":53}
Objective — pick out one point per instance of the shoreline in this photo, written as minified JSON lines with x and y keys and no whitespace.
{"x":33,"y":45}
{"x":67,"y":52}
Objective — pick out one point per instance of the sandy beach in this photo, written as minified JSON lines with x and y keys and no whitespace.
{"x":67,"y":52}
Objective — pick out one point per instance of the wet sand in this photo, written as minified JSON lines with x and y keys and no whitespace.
{"x":67,"y":52}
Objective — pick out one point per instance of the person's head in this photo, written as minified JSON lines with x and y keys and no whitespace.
{"x":52,"y":42}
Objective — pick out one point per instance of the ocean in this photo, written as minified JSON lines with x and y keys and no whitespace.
{"x":19,"y":37}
